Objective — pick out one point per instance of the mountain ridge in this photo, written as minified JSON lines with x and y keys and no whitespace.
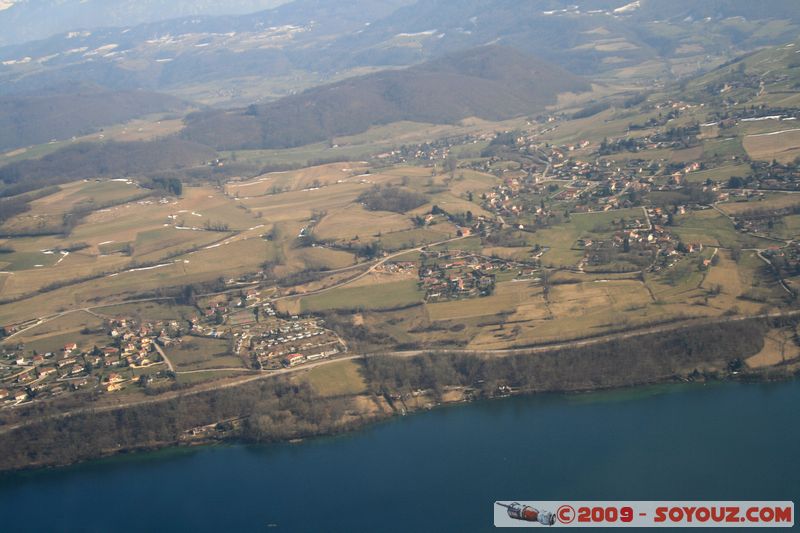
{"x":490,"y":82}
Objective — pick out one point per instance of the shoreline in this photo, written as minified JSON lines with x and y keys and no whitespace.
{"x":287,"y":407}
{"x":790,"y":372}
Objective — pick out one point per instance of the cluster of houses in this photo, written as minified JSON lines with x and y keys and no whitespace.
{"x":650,"y":239}
{"x":579,"y":185}
{"x":785,"y":260}
{"x":430,"y":152}
{"x":287,"y":342}
{"x":260,"y":336}
{"x":29,"y":375}
{"x":456,"y":274}
{"x":134,"y":344}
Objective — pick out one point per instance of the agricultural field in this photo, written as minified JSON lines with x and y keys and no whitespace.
{"x":560,"y":242}
{"x":295,"y":180}
{"x":507,"y":298}
{"x":338,"y":379}
{"x":148,"y":311}
{"x":781,"y":145}
{"x":380,"y":296}
{"x":721,"y":174}
{"x":767,"y":201}
{"x":343,"y":225}
{"x":402,"y":240}
{"x":712,"y":228}
{"x":196,"y":353}
{"x":610,"y":211}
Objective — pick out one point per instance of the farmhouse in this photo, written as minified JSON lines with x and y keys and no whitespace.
{"x":294,"y":359}
{"x":46,"y":371}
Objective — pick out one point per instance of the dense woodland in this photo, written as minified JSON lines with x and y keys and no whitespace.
{"x":111,"y":160}
{"x":38,"y":118}
{"x":492,"y":82}
{"x":396,"y":199}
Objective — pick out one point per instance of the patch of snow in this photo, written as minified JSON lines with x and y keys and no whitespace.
{"x":773,"y":133}
{"x":149,"y":268}
{"x":418,"y":34}
{"x":22,"y":61}
{"x":759,"y":119}
{"x":633,"y":6}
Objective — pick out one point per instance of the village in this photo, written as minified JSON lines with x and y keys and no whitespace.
{"x":456,"y":274}
{"x":131,"y":356}
{"x":540,"y":186}
{"x":135,"y":355}
{"x":260,"y":337}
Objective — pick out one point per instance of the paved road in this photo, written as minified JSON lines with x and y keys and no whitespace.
{"x":164,"y":357}
{"x":254,"y":375}
{"x":199,"y":389}
{"x":367,"y":272}
{"x":90,"y":310}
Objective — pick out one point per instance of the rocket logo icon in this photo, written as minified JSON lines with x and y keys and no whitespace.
{"x":527,"y":513}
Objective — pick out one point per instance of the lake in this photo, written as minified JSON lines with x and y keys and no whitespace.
{"x":441,"y":470}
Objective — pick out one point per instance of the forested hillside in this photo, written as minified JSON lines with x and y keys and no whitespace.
{"x":41,"y":117}
{"x":492,"y":83}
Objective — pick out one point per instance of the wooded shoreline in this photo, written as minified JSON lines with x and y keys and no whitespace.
{"x":282,"y":409}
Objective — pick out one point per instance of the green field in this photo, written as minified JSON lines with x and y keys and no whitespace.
{"x":336,"y":379}
{"x":197,"y":353}
{"x":147,"y":311}
{"x":561,"y":240}
{"x":377,"y":296}
{"x":17,"y":261}
{"x":719,"y":174}
{"x":412,"y":238}
{"x":714,"y":229}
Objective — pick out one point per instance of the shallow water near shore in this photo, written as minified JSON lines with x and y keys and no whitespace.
{"x":441,"y":470}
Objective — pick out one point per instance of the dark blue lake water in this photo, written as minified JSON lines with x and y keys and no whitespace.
{"x":441,"y":470}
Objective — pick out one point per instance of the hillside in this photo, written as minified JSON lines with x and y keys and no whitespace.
{"x":109,"y":160}
{"x":39,"y":118}
{"x":175,"y":53}
{"x":274,"y":53}
{"x":492,"y":83}
{"x":596,"y":36}
{"x":25,"y":20}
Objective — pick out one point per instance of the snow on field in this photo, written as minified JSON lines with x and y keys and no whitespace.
{"x":633,"y":6}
